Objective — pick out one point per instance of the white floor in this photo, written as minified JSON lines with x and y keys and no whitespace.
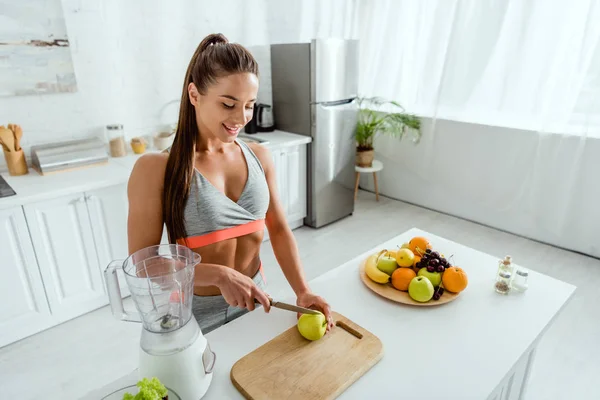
{"x":78,"y":356}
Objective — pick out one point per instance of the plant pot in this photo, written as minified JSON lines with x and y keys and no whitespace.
{"x":364,"y":158}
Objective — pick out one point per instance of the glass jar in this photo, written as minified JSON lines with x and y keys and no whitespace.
{"x":506,"y":265}
{"x":519,"y":282}
{"x":502,"y":284}
{"x":116,"y":140}
{"x":138,"y":145}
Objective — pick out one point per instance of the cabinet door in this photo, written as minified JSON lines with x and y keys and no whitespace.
{"x":64,"y":245}
{"x":296,"y":182}
{"x":108,"y":209}
{"x":281,"y":173}
{"x":23,"y":306}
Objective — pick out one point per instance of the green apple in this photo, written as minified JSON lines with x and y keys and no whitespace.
{"x":434,"y":277}
{"x":312,"y":326}
{"x":420,"y":289}
{"x":387,"y":264}
{"x":405,"y":246}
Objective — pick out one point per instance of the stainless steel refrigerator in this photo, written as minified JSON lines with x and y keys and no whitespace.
{"x":314,"y":94}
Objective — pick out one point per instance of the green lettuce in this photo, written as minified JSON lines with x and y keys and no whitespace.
{"x":150,"y":389}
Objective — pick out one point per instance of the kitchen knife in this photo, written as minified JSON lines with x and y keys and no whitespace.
{"x":290,"y":307}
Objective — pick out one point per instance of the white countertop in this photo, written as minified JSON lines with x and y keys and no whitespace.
{"x":462,"y":349}
{"x":34,"y":187}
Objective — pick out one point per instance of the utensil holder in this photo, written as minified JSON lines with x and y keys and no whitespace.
{"x":16,"y":163}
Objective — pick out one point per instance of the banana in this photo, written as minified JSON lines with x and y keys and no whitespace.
{"x":372,"y":272}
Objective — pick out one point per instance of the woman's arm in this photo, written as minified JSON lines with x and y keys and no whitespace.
{"x":280,"y":234}
{"x":144,"y":193}
{"x":283,"y":241}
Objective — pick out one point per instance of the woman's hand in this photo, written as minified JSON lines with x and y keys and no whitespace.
{"x":238,"y":290}
{"x":314,"y":302}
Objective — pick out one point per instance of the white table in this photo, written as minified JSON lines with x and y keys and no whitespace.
{"x":480,"y":346}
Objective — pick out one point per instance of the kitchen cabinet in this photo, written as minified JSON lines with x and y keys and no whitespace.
{"x":291,"y":173}
{"x":24,"y":309}
{"x":64,"y":244}
{"x":108,"y":209}
{"x":296,"y":186}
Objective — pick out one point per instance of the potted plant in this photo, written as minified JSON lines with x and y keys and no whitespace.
{"x":372,"y":122}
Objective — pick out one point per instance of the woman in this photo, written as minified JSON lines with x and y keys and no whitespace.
{"x":215,"y":193}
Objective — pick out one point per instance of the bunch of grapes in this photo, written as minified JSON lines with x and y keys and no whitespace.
{"x":438,"y":293}
{"x":433,"y":261}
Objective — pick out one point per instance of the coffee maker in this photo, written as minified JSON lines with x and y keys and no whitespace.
{"x":262,"y":119}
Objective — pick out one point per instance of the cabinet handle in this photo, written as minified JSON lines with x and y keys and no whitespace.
{"x":78,"y":200}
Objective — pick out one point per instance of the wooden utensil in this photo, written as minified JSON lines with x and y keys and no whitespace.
{"x":292,"y":367}
{"x":3,"y":146}
{"x":7,"y":138}
{"x":17,"y":133}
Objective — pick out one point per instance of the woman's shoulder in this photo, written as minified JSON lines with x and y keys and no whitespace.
{"x":262,"y":153}
{"x":152,"y":162}
{"x":150,"y":168}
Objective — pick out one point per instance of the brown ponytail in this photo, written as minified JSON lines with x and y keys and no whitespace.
{"x":215,"y":57}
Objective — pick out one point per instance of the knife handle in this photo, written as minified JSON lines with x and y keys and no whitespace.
{"x":258,"y":302}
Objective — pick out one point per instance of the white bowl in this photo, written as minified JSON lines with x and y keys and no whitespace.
{"x":163,"y":140}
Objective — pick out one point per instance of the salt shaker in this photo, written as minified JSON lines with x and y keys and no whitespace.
{"x":502,"y":284}
{"x":519,"y":282}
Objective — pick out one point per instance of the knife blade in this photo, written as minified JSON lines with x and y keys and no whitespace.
{"x":290,"y":307}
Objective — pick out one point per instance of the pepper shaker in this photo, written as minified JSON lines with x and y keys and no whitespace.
{"x":502,"y":284}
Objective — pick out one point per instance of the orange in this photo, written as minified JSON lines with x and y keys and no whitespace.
{"x":455,"y":279}
{"x":401,"y":278}
{"x":417,"y":259}
{"x":414,"y":268}
{"x":418,"y":245}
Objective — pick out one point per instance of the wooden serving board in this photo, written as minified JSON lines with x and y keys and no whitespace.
{"x":292,"y":367}
{"x":389,"y":292}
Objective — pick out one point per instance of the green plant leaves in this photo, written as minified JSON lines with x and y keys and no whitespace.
{"x":372,"y":122}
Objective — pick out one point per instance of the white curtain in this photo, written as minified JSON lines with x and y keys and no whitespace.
{"x":524,"y":64}
{"x":510,"y":95}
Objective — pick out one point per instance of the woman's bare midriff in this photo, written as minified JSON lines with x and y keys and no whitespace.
{"x":241,"y":254}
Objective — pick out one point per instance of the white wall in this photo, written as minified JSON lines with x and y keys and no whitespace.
{"x":130,"y":58}
{"x":543,"y":187}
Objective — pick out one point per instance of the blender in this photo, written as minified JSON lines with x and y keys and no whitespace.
{"x":172,"y":347}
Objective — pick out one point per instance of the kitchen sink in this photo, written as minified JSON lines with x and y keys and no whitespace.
{"x":253,"y":139}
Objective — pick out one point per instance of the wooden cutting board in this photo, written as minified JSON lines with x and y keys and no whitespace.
{"x":291,"y":367}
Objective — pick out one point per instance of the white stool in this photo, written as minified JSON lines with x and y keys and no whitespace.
{"x":377,"y":166}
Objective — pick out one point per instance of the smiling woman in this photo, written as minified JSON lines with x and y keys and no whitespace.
{"x":216,"y":193}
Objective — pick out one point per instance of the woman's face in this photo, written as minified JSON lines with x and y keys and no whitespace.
{"x":226,"y":107}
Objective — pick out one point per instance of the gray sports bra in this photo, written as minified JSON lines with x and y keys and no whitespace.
{"x":210,"y":216}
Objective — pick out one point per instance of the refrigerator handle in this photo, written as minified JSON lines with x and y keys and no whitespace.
{"x":334,"y":103}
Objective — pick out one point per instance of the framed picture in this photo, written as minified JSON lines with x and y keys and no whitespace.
{"x":35,"y":56}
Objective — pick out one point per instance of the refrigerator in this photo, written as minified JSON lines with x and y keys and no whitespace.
{"x":314,"y":88}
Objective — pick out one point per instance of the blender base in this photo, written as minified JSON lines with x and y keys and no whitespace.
{"x":183,"y":371}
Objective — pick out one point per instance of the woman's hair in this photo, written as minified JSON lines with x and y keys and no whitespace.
{"x":215,"y":57}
